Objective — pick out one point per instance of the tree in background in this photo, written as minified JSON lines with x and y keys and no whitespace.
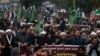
{"x":95,"y":3}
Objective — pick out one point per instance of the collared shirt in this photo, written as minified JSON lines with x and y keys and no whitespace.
{"x":94,"y":53}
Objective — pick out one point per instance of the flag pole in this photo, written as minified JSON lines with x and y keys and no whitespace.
{"x":74,"y":6}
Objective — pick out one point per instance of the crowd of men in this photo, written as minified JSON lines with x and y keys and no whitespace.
{"x":53,"y":32}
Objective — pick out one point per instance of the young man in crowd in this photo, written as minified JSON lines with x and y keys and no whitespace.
{"x":2,"y":43}
{"x":22,"y":40}
{"x":81,"y":51}
{"x":62,"y":39}
{"x":93,"y":48}
{"x":77,"y":39}
{"x":37,"y":51}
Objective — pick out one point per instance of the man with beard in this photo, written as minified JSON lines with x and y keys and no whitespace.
{"x":35,"y":39}
{"x":56,"y":36}
{"x":50,"y":40}
{"x":2,"y":43}
{"x":9,"y":38}
{"x":63,"y":39}
{"x":93,"y":48}
{"x":98,"y":35}
{"x":43,"y":38}
{"x":22,"y":40}
{"x":77,"y":39}
{"x":37,"y":51}
{"x":81,"y":51}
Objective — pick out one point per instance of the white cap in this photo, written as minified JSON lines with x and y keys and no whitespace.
{"x":43,"y":32}
{"x":97,"y":31}
{"x":2,"y":31}
{"x":46,"y":24}
{"x":62,"y":33}
{"x":93,"y":33}
{"x":8,"y":30}
{"x":36,"y":20}
{"x":83,"y":29}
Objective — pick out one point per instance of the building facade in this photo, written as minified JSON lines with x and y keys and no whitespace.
{"x":9,"y":4}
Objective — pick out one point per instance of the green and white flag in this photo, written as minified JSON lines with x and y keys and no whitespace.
{"x":97,"y":12}
{"x":19,"y":13}
{"x":39,"y":26}
{"x":73,"y":13}
{"x":31,"y":15}
{"x":73,"y":17}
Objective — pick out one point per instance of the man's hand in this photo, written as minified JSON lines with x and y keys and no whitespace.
{"x":10,"y":46}
{"x":32,"y":46}
{"x":36,"y":44}
{"x":25,"y":44}
{"x":3,"y":46}
{"x":19,"y":43}
{"x":45,"y":44}
{"x":53,"y":44}
{"x":62,"y":44}
{"x":0,"y":36}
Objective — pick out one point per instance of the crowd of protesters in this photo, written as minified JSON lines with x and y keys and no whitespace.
{"x":54,"y":31}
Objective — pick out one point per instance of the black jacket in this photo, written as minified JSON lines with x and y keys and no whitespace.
{"x":23,"y":38}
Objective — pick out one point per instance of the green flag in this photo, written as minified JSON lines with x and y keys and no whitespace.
{"x":4,"y":10}
{"x":29,"y":14}
{"x":1,"y":14}
{"x":73,"y":13}
{"x":79,"y":14}
{"x":74,"y":5}
{"x":97,"y":12}
{"x":32,"y":15}
{"x":39,"y":26}
{"x":73,"y":17}
{"x":19,"y":13}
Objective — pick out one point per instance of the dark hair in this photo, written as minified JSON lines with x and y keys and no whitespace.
{"x":68,"y":32}
{"x":77,"y":30}
{"x":23,"y":27}
{"x":81,"y":47}
{"x":72,"y":31}
{"x":94,"y":37}
{"x":37,"y":48}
